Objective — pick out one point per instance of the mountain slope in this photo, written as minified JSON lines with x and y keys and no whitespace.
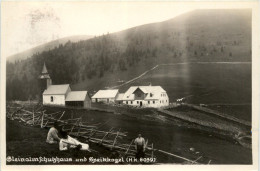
{"x":200,"y":35}
{"x":47,"y":46}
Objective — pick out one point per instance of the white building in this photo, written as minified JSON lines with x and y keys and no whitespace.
{"x":61,"y":95}
{"x":56,"y":94}
{"x":105,"y":96}
{"x":146,"y":96}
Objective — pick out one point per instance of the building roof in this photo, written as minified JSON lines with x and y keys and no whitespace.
{"x":120,"y":96}
{"x":152,"y":92}
{"x":44,"y":73}
{"x":44,"y":76}
{"x":103,"y":94}
{"x":76,"y":96}
{"x":57,"y":89}
{"x":44,"y":69}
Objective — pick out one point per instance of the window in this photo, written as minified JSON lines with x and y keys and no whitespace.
{"x":151,"y":95}
{"x":51,"y":98}
{"x":137,"y":102}
{"x":126,"y":102}
{"x":148,"y":102}
{"x":160,"y":101}
{"x":131,"y":102}
{"x":153,"y":102}
{"x":166,"y":101}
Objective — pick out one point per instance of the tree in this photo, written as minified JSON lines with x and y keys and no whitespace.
{"x":122,"y":66}
{"x":154,"y":52}
{"x":101,"y":72}
{"x":222,"y":49}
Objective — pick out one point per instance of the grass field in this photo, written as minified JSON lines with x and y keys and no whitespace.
{"x":210,"y":120}
{"x":170,"y":134}
{"x":25,"y":141}
{"x":224,"y":83}
{"x":203,"y":83}
{"x":238,"y":111}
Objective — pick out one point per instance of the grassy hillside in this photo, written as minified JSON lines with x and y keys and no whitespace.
{"x":200,"y":35}
{"x":203,"y":83}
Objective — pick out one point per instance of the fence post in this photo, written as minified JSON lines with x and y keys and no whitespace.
{"x":42,"y":119}
{"x":152,"y":150}
{"x":33,"y":115}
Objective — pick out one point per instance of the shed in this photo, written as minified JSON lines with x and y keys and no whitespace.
{"x":105,"y":96}
{"x":78,"y":99}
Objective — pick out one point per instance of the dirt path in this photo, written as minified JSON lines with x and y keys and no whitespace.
{"x":136,"y":78}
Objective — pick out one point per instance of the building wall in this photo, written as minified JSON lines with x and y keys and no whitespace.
{"x":162,"y":101}
{"x":87,"y":102}
{"x":104,"y":100}
{"x":48,"y":82}
{"x":119,"y":101}
{"x":57,"y":100}
{"x":75,"y":103}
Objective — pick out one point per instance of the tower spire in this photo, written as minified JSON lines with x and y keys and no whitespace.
{"x":44,"y":74}
{"x":44,"y":80}
{"x":44,"y":69}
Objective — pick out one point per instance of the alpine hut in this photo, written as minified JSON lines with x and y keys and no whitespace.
{"x":78,"y":99}
{"x":146,"y":96}
{"x":105,"y":96}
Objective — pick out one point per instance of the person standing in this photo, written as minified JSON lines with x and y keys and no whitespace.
{"x":139,"y":146}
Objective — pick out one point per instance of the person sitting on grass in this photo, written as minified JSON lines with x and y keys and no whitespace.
{"x":52,"y":136}
{"x":67,"y":142}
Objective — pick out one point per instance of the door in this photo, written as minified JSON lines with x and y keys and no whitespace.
{"x":141,"y":103}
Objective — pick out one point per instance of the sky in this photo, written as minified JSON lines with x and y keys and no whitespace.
{"x":28,"y":24}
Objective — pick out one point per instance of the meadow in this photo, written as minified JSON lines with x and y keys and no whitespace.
{"x":213,"y":84}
